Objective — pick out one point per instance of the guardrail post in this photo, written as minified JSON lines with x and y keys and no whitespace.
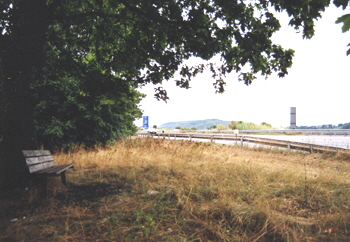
{"x":242,"y":139}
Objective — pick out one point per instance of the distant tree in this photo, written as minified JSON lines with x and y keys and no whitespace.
{"x":346,"y":126}
{"x":221,"y":127}
{"x":233,"y":125}
{"x":178,"y":127}
{"x":154,"y":126}
{"x":327,"y":126}
{"x":246,"y":126}
{"x":212,"y":127}
{"x":266,"y":124}
{"x":193,"y":128}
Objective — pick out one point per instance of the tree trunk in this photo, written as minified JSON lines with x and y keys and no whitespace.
{"x":2,"y":118}
{"x":22,"y":61}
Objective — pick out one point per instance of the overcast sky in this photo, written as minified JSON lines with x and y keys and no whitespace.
{"x":317,"y":85}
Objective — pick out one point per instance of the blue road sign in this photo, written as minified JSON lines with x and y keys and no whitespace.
{"x":145,"y":122}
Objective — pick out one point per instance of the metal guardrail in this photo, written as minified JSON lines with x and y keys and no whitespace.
{"x":289,"y":145}
{"x":269,"y":131}
{"x":303,"y":131}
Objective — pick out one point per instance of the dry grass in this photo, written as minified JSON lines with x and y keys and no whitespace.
{"x":161,"y":190}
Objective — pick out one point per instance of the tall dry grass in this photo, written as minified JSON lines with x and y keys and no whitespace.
{"x":162,"y":190}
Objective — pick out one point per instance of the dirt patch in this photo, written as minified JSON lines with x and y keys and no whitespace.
{"x":90,"y":192}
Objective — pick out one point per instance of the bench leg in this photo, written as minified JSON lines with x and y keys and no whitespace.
{"x":63,"y":178}
{"x":40,"y":183}
{"x":44,"y":187}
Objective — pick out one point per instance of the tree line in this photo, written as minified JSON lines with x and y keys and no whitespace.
{"x":326,"y":126}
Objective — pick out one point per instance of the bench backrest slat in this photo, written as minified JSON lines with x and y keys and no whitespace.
{"x":35,"y":168}
{"x":38,"y":160}
{"x":41,"y":159}
{"x":34,"y":153}
{"x":39,"y":167}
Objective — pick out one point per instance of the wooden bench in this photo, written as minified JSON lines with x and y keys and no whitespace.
{"x":41,"y":164}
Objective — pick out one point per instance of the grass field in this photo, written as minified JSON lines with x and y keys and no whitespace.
{"x":162,"y":190}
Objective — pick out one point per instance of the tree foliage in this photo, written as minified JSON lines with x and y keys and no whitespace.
{"x":148,"y":41}
{"x":66,"y":114}
{"x":345,"y":19}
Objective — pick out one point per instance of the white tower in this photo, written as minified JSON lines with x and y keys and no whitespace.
{"x":293,"y":118}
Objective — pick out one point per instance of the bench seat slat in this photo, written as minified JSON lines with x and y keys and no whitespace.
{"x":54,"y":170}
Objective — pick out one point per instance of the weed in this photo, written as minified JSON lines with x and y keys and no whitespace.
{"x":165,"y":190}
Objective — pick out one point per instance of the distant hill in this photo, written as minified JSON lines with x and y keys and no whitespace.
{"x":199,"y":124}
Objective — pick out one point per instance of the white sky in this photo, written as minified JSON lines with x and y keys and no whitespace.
{"x":317,"y":85}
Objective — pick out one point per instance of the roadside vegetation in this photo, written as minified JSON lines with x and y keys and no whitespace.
{"x":162,"y":190}
{"x":327,"y":126}
{"x":216,"y":124}
{"x":249,"y":126}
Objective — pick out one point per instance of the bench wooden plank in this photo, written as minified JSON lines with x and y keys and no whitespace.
{"x":55,"y":170}
{"x":35,"y":168}
{"x":31,"y":153}
{"x":37,"y":160}
{"x":41,"y":166}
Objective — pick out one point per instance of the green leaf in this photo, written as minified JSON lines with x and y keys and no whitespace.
{"x":345,"y":19}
